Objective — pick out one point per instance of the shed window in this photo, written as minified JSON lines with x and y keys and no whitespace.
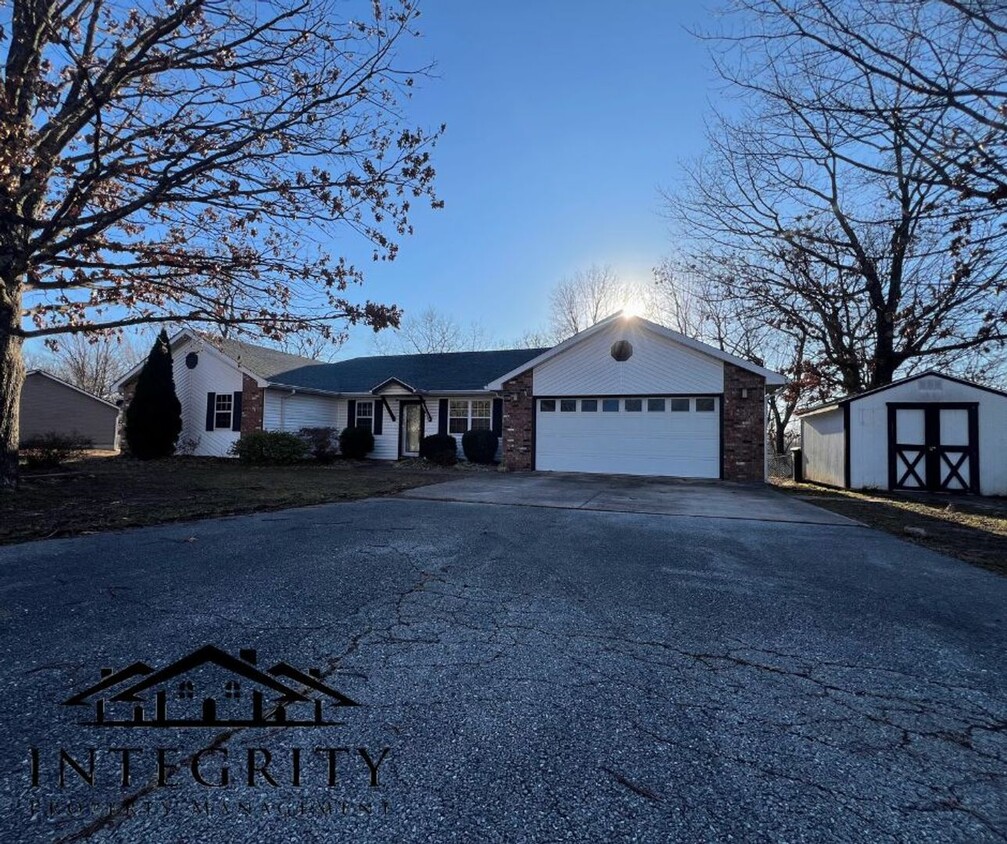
{"x":704,"y":405}
{"x":223,"y":405}
{"x":365,"y":415}
{"x":474,"y":415}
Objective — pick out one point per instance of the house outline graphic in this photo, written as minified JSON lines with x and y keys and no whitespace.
{"x":291,"y":686}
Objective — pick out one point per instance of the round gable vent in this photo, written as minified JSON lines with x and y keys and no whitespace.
{"x":622,"y":350}
{"x":191,"y":360}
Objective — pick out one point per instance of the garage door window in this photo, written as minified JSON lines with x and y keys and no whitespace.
{"x":547,"y":405}
{"x":634,"y":405}
{"x":589,"y":406}
{"x":655,"y":405}
{"x":568,"y":406}
{"x":610,"y":405}
{"x":679,"y":405}
{"x":704,"y":405}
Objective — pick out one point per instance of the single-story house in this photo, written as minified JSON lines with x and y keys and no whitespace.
{"x":51,"y":405}
{"x":930,"y":431}
{"x":625,"y":396}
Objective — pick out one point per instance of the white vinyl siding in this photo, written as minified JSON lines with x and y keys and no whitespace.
{"x":624,"y":437}
{"x":213,"y":374}
{"x":285,"y":412}
{"x":823,"y":444}
{"x":869,"y":430}
{"x":657,"y":366}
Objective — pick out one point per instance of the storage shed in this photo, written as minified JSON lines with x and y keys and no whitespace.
{"x":927,"y":432}
{"x":51,"y":405}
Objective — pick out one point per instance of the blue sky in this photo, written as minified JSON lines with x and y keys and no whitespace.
{"x":563,"y":120}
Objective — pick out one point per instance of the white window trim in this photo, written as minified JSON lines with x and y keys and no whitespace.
{"x":468,"y":415}
{"x":230,"y":411}
{"x":369,"y":415}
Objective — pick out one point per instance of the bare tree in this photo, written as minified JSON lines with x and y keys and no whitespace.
{"x":93,"y":362}
{"x":431,"y":331}
{"x":956,"y":69}
{"x":824,"y":217}
{"x":588,"y":296}
{"x":185,"y":160}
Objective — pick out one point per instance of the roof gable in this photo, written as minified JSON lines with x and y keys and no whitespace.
{"x":928,"y":373}
{"x":772,"y":378}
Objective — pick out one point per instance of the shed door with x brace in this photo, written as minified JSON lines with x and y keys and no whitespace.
{"x":933,"y":447}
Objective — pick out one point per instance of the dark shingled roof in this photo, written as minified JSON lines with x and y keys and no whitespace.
{"x":261,"y":360}
{"x":449,"y":371}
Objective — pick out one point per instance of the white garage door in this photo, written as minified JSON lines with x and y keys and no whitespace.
{"x":656,"y":435}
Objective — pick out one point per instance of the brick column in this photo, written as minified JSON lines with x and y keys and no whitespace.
{"x":744,"y":425}
{"x":251,"y":405}
{"x":518,"y":423}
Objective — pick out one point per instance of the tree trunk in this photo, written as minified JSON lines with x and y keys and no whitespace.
{"x":11,"y":381}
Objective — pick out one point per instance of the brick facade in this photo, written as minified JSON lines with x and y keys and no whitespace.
{"x":252,"y":398}
{"x":744,"y":425}
{"x":518,"y":423}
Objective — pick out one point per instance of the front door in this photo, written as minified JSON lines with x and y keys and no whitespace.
{"x":411,"y":428}
{"x":933,"y":447}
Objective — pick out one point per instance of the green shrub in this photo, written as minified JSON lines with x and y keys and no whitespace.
{"x":47,"y":451}
{"x":269,"y":447}
{"x":480,"y":446}
{"x":154,"y":415}
{"x":356,"y":443}
{"x":322,"y":443}
{"x":441,"y":449}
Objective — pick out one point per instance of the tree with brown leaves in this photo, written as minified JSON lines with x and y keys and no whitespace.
{"x":187,"y":161}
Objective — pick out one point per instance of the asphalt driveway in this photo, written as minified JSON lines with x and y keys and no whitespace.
{"x":534,"y":673}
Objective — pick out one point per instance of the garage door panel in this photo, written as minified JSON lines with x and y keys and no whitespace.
{"x":644,"y":442}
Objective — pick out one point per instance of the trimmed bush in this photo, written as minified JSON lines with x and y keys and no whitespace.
{"x":154,"y":416}
{"x":480,"y":446}
{"x":322,"y":443}
{"x":47,"y":451}
{"x":270,"y":448}
{"x":356,"y":443}
{"x":441,"y":449}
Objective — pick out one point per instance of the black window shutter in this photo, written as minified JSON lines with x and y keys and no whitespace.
{"x":351,"y":413}
{"x":236,"y":413}
{"x":442,"y":416}
{"x":498,"y":417}
{"x":378,"y":407}
{"x":211,"y":404}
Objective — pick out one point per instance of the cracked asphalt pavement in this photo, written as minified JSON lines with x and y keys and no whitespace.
{"x":536,"y":674}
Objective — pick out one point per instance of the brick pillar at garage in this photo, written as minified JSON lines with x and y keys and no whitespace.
{"x":251,"y":405}
{"x":518,"y":423}
{"x":744,"y":424}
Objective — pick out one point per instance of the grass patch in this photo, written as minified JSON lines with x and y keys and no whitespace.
{"x":106,"y":493}
{"x":971,"y":529}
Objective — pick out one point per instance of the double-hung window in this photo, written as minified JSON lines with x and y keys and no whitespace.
{"x":223,"y":407}
{"x":465,"y":415}
{"x":365,"y":415}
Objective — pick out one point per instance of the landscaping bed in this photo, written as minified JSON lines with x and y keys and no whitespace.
{"x":105,"y":493}
{"x":970,"y":528}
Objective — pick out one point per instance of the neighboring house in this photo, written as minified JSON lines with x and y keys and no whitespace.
{"x":51,"y":405}
{"x":927,"y":432}
{"x":624,"y":396}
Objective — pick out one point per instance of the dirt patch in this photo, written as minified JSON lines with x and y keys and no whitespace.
{"x":971,"y":529}
{"x":105,"y":493}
